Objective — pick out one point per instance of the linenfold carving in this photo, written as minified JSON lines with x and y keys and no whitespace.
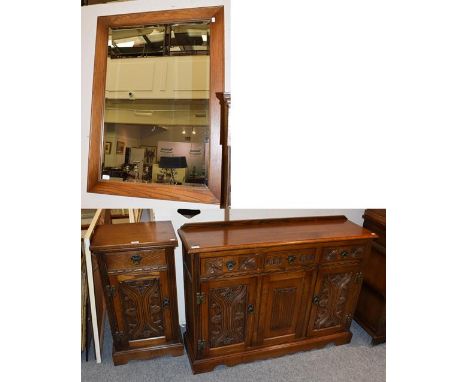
{"x":282,"y":308}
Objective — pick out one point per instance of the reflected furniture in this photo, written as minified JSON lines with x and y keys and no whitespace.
{"x":136,"y":264}
{"x":257,"y":289}
{"x":371,"y":311}
{"x":179,"y":176}
{"x":171,"y":164}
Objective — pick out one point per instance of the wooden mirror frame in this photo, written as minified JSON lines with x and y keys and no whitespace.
{"x":214,"y":193}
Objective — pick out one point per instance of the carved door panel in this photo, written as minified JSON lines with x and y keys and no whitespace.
{"x":227,"y":315}
{"x":141,"y":309}
{"x":283,"y":307}
{"x":334,"y":299}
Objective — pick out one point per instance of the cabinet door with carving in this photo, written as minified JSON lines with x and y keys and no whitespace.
{"x":227,"y":315}
{"x":283,"y":307}
{"x":140,"y":309}
{"x":334,"y":299}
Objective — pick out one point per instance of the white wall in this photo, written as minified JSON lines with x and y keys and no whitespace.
{"x":88,"y":36}
{"x":355,"y":215}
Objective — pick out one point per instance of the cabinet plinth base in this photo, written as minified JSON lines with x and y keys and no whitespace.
{"x":121,"y":357}
{"x":259,"y":353}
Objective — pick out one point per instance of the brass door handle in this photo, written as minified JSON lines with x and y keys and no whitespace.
{"x":230,"y":265}
{"x":165,"y":302}
{"x":136,"y":259}
{"x":250,"y":308}
{"x":316,"y":300}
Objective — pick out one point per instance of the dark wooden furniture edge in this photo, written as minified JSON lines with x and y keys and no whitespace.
{"x":376,"y":339}
{"x":254,"y":354}
{"x":225,"y":100}
{"x":211,"y":195}
{"x":378,"y":218}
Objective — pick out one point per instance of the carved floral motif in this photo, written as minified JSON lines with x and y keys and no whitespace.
{"x":337,"y":253}
{"x":247,"y":263}
{"x":141,"y":302}
{"x":227,"y":315}
{"x":332,"y":300}
{"x":214,"y":266}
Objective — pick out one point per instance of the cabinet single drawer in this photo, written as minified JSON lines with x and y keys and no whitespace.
{"x":342,"y":253}
{"x":214,"y":266}
{"x":135,"y":259}
{"x":290,"y":259}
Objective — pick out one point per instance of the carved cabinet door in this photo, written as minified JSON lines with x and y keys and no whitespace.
{"x":227,"y":315}
{"x":334,"y":299}
{"x":283,"y":307}
{"x":141,"y":309}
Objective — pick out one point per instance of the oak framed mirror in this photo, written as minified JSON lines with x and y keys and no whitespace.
{"x":156,"y":120}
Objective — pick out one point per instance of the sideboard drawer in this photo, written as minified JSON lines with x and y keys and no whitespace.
{"x":135,"y":259}
{"x":229,"y":264}
{"x":277,"y":261}
{"x":340,"y":253}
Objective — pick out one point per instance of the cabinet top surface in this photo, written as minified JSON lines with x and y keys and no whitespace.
{"x":133,"y":235}
{"x":200,"y":237}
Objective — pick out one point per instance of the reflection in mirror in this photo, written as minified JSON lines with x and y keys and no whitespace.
{"x":156,"y":121}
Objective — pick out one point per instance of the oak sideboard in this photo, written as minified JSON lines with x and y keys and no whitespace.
{"x":257,"y":289}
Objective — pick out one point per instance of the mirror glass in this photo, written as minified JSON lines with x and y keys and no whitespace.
{"x":156,"y":119}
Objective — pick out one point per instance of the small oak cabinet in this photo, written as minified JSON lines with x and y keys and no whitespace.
{"x":263,"y":288}
{"x":136,"y":263}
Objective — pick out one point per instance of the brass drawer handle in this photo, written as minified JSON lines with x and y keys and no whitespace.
{"x":291,"y":259}
{"x":230,"y":265}
{"x":136,"y":259}
{"x":344,"y":254}
{"x":316,"y":300}
{"x":250,"y":308}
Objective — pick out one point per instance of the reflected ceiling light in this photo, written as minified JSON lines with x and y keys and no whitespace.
{"x":143,"y":113}
{"x":183,"y":130}
{"x":193,"y":131}
{"x":204,"y":37}
{"x":128,"y":44}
